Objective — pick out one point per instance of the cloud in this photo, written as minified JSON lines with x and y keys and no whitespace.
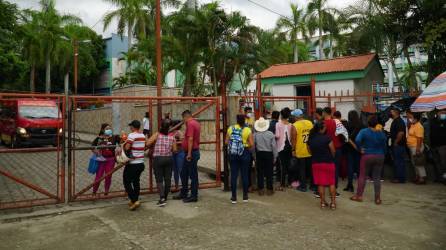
{"x":92,"y":11}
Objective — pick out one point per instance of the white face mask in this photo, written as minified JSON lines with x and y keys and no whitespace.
{"x":411,"y":120}
{"x":249,"y":115}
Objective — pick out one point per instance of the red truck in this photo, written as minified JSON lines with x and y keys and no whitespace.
{"x":30,"y":122}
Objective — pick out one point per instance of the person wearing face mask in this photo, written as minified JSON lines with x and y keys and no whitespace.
{"x":104,"y":139}
{"x":249,"y":117}
{"x":438,"y":144}
{"x":415,"y":143}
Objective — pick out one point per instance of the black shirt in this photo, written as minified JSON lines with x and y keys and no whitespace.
{"x":397,"y":126}
{"x":272,"y":126}
{"x":320,"y":151}
{"x":438,"y":133}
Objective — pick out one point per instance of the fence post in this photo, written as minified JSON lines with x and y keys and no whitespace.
{"x":224,"y":112}
{"x":313,"y":96}
{"x":69,"y":147}
{"x":259,"y":110}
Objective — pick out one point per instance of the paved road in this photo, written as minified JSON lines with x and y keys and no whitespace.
{"x":41,"y":169}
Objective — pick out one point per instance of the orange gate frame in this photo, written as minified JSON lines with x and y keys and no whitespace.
{"x":77,"y":196}
{"x":52,"y":198}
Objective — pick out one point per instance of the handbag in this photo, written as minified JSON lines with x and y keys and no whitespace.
{"x":93,"y":165}
{"x":121,"y":157}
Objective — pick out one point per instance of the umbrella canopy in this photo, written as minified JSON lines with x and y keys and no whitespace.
{"x":433,"y":97}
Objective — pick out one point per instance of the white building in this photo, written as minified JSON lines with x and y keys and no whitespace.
{"x":332,"y":76}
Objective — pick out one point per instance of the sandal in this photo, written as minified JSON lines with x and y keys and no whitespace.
{"x":378,"y":201}
{"x":324,"y":204}
{"x":356,"y":198}
{"x":333,"y":206}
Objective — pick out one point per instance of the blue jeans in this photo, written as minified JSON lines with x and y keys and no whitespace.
{"x":190,"y":170}
{"x":178,"y":163}
{"x":353,"y":165}
{"x":240,"y":163}
{"x":400,"y":166}
{"x":337,"y":160}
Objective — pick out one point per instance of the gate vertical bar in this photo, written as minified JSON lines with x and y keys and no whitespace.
{"x":150,"y":160}
{"x":224,"y":112}
{"x":69,"y":147}
{"x":218,"y":139}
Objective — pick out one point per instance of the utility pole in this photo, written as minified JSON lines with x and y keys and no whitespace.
{"x":159,"y":74}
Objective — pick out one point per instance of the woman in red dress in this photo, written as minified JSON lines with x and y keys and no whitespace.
{"x":322,"y":152}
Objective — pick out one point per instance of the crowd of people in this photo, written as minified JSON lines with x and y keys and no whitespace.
{"x":302,"y":153}
{"x":308,"y":152}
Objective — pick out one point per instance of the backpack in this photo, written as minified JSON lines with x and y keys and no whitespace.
{"x":236,"y":146}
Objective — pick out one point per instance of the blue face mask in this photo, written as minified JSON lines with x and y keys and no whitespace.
{"x":442,"y":117}
{"x":108,"y":132}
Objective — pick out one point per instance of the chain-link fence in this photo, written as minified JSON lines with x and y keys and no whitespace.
{"x":32,"y":151}
{"x":89,"y":113}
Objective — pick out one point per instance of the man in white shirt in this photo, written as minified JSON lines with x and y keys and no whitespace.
{"x":146,"y":125}
{"x":135,"y":145}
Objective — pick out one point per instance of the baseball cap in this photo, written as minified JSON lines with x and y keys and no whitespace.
{"x":297,"y":112}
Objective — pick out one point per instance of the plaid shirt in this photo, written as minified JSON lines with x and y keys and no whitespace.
{"x":163,"y":145}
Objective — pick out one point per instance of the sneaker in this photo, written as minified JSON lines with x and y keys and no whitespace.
{"x":245,"y":198}
{"x":316,"y":194}
{"x":161,"y":203}
{"x":233,"y":200}
{"x":337,"y":194}
{"x":190,"y":199}
{"x":134,"y":206}
{"x":302,"y":189}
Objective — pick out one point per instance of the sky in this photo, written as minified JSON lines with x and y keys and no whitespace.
{"x":92,"y":11}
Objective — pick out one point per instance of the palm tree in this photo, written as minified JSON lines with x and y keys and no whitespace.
{"x":30,"y":43}
{"x":185,"y":44}
{"x":50,"y":30}
{"x":293,"y":27}
{"x":318,"y":15}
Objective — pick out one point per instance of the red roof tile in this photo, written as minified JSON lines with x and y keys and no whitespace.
{"x":340,"y":64}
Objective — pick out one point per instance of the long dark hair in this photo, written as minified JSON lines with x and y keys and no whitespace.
{"x":353,"y":119}
{"x":165,"y":126}
{"x":103,"y":126}
{"x":318,"y":126}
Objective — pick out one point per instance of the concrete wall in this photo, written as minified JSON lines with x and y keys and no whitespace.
{"x":332,"y":88}
{"x":120,"y":114}
{"x":283,"y":90}
{"x":145,"y":90}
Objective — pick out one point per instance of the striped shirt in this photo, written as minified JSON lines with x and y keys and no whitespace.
{"x":138,"y":143}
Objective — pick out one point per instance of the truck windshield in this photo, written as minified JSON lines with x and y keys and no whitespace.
{"x":39,"y":112}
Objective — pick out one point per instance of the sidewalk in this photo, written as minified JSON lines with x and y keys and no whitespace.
{"x":287,"y":220}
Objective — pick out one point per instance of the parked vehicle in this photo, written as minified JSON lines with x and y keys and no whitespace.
{"x":30,"y":122}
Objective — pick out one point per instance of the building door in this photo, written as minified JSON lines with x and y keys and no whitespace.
{"x":303,"y":91}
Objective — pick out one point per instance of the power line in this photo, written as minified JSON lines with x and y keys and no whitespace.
{"x":268,"y":9}
{"x":100,"y":18}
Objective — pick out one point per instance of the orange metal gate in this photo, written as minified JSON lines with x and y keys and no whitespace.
{"x":31,"y":175}
{"x":89,"y":112}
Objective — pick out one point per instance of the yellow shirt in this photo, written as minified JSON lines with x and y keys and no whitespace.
{"x":415,"y":131}
{"x":245,"y":134}
{"x":303,"y":128}
{"x":249,"y":122}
